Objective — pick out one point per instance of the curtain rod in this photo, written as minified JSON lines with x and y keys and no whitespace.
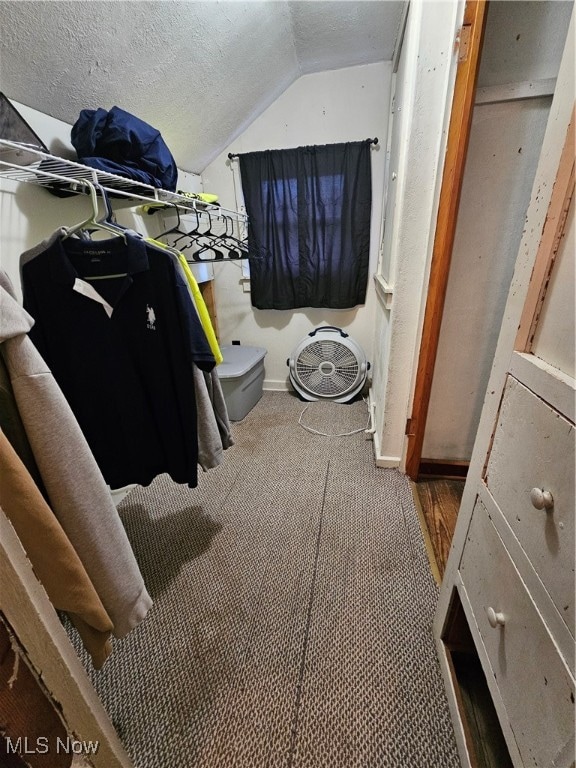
{"x":232,"y":156}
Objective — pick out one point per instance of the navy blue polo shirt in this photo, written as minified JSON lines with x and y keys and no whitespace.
{"x":116,"y":325}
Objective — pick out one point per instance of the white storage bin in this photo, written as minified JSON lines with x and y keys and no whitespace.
{"x":241,"y":375}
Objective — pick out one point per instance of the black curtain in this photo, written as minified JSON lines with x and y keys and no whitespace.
{"x":309,"y":225}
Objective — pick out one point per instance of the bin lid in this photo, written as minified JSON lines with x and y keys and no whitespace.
{"x":238,"y":360}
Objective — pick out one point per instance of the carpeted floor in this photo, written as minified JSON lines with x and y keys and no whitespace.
{"x":293,"y":603}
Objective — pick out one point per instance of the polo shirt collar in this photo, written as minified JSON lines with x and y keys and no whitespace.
{"x":132,"y":256}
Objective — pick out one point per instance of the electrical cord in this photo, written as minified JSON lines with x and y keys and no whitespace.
{"x":339,"y":434}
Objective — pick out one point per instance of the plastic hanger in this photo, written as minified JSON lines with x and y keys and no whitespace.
{"x":235,"y":247}
{"x":208,"y":241}
{"x":205,"y":247}
{"x":191,"y":232}
{"x":93,"y":222}
{"x":176,"y":228}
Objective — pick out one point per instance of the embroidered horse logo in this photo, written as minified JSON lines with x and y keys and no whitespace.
{"x":151,"y":315}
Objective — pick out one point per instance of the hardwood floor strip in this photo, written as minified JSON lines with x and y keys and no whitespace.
{"x":440,"y":501}
{"x":430,"y":550}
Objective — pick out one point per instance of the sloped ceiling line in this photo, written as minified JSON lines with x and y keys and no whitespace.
{"x":200,"y":71}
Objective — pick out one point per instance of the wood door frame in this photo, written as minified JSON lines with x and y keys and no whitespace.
{"x":50,"y":654}
{"x":470,"y":46}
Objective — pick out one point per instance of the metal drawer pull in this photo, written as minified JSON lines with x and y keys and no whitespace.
{"x":495,"y":618}
{"x":541,"y":499}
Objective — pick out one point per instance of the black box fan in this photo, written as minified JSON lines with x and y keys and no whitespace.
{"x":328,"y":365}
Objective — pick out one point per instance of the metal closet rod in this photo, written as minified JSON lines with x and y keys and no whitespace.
{"x":56,"y":169}
{"x":232,"y":156}
{"x":16,"y":172}
{"x":91,"y":188}
{"x":43,"y":178}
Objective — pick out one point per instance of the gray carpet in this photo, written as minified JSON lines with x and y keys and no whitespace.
{"x":292,"y":613}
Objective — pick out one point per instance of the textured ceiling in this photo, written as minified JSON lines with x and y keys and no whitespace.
{"x":199,"y":71}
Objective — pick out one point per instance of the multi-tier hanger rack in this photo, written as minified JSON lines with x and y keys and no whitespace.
{"x":38,"y":167}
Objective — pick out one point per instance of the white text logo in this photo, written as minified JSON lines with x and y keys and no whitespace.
{"x":23,"y":745}
{"x":151,"y":315}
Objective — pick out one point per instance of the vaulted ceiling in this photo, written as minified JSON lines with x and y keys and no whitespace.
{"x":199,"y":71}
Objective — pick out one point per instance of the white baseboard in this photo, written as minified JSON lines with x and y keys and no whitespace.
{"x":276,"y":385}
{"x":387,"y":462}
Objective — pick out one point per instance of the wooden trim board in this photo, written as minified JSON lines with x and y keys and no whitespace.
{"x":456,"y":151}
{"x":549,"y":243}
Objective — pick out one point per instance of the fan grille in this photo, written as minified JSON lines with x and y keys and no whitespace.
{"x":327,"y":368}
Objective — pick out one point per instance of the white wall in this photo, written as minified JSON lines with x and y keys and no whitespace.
{"x":330,"y":107}
{"x":503,"y":153}
{"x":29,"y":214}
{"x":424,"y":87}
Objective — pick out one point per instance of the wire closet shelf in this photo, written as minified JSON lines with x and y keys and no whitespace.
{"x":74,"y":178}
